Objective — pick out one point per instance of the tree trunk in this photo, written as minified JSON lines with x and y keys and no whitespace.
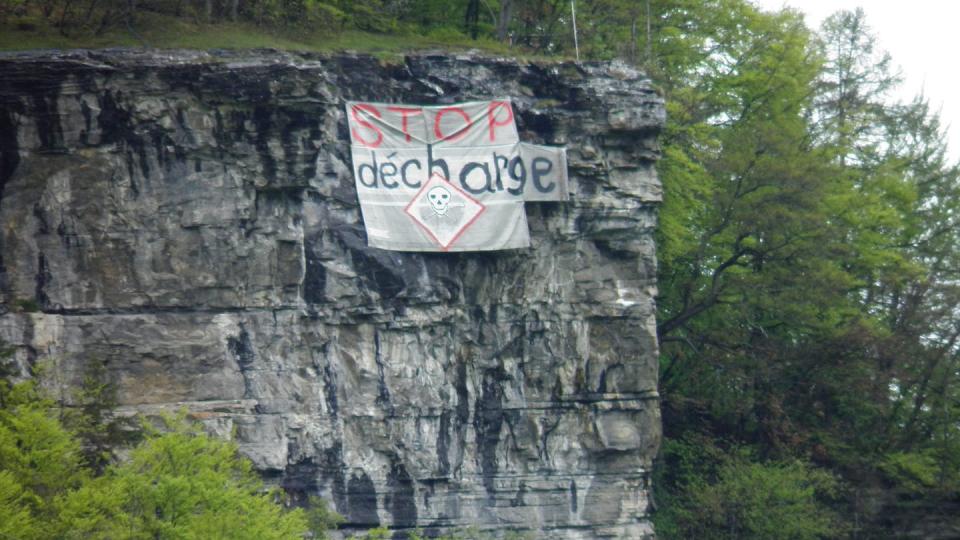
{"x":63,"y":18}
{"x":472,"y":18}
{"x":90,"y":9}
{"x":503,"y":24}
{"x":647,"y":50}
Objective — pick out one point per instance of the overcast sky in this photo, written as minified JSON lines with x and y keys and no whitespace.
{"x":921,"y":36}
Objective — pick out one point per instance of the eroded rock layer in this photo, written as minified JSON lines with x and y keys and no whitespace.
{"x":189,"y":219}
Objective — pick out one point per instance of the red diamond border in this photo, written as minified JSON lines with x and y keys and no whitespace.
{"x":406,"y":210}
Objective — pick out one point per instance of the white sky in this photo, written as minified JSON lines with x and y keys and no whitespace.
{"x":921,"y":37}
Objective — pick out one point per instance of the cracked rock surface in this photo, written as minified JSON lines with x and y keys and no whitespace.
{"x":190,"y":219}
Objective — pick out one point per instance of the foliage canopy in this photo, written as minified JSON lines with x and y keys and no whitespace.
{"x":177,"y":483}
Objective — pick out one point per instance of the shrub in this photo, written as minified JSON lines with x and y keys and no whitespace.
{"x":740,"y":498}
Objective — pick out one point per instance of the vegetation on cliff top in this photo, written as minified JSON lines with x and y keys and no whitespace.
{"x":363,"y":25}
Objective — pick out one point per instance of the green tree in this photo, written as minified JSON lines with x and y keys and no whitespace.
{"x":808,"y":249}
{"x":16,"y":520}
{"x":321,"y":518}
{"x":177,"y":483}
{"x":747,"y":228}
{"x":854,"y":84}
{"x":91,"y":418}
{"x":743,"y":498}
{"x":40,"y":462}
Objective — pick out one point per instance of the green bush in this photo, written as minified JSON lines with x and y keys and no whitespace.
{"x":738,"y":498}
{"x":446,"y":33}
{"x":177,"y":483}
{"x":912,"y":471}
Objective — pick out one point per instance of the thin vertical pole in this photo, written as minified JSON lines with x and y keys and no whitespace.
{"x":576,"y":44}
{"x":647,"y":51}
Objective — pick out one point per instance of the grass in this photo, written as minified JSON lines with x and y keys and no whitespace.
{"x":165,"y":32}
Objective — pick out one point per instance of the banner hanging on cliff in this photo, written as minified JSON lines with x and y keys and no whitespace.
{"x":450,"y":177}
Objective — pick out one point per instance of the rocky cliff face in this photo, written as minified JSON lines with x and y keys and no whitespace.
{"x":190,"y":220}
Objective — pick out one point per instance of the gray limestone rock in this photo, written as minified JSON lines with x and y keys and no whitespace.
{"x":190,"y":220}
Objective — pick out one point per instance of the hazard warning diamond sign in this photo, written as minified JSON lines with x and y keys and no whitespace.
{"x":443,"y":211}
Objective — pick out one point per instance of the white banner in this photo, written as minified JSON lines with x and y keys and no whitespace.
{"x":448,"y":178}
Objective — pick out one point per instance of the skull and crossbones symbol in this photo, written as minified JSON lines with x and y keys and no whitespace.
{"x":439,"y":199}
